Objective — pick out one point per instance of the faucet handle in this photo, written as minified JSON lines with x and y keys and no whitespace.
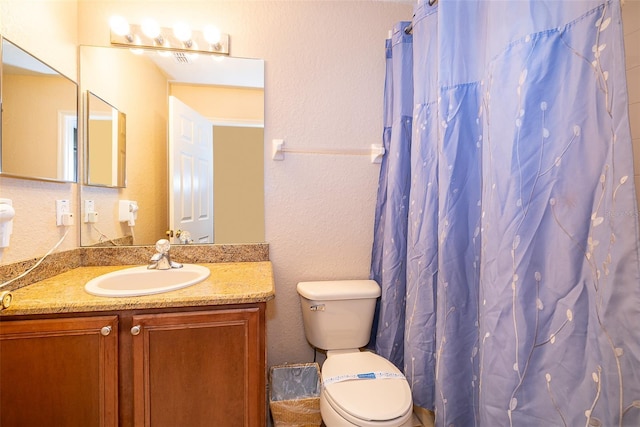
{"x":184,"y":236}
{"x":163,"y":246}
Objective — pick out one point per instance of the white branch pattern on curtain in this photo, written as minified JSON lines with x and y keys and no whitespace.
{"x":506,"y":241}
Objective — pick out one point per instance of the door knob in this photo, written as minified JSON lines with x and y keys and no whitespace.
{"x":135,"y":330}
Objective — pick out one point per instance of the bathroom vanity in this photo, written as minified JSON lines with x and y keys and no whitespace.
{"x":191,"y":357}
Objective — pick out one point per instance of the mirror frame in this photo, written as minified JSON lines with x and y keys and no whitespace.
{"x":72,"y":131}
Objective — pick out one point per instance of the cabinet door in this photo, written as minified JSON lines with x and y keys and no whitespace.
{"x":199,"y":369}
{"x":59,"y":372}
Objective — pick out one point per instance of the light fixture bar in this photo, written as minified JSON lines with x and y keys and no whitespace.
{"x":167,"y":40}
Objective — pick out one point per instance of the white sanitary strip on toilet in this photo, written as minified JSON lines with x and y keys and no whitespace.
{"x":364,"y":376}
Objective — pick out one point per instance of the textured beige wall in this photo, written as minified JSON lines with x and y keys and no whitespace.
{"x":100,"y":156}
{"x":324,"y":76}
{"x":139,"y":89}
{"x":223,"y":104}
{"x":51,"y":35}
{"x":44,"y":28}
{"x":238,"y":182}
{"x":631,"y":27}
{"x":30,"y":106}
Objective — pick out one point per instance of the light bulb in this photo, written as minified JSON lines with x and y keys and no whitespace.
{"x":150,"y":28}
{"x":211,"y":34}
{"x":182,"y":31}
{"x":119,"y":25}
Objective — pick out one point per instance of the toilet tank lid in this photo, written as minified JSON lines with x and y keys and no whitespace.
{"x":339,"y":289}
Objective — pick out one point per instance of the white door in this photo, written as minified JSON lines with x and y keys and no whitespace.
{"x":191,"y":172}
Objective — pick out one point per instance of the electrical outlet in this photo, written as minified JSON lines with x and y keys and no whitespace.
{"x":90,"y":214}
{"x":63,"y":210}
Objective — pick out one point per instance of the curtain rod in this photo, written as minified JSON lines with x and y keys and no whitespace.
{"x":409,"y":28}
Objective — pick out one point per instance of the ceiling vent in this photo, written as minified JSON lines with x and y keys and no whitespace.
{"x":181,"y":58}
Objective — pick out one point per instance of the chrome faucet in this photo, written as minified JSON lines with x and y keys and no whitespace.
{"x":162,"y":260}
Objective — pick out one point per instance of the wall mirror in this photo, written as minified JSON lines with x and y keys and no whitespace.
{"x":106,"y":143}
{"x":39,"y":119}
{"x":228,"y":93}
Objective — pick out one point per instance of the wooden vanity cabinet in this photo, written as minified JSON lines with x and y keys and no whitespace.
{"x":202,"y":368}
{"x":189,"y":367}
{"x":59,"y":372}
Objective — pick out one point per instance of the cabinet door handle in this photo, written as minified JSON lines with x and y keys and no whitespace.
{"x":135,"y":330}
{"x":105,"y":331}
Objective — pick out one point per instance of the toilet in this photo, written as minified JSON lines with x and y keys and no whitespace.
{"x":360,"y":388}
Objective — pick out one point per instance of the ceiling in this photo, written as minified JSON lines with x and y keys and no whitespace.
{"x":210,"y":69}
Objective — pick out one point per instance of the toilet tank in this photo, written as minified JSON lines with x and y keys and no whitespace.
{"x":338,"y":314}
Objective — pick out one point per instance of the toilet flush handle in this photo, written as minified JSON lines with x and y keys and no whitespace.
{"x":317,"y":307}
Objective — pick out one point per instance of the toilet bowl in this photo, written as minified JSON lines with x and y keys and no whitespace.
{"x":379,"y":395}
{"x":360,"y":388}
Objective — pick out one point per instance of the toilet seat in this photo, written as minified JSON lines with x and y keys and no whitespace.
{"x":366,"y":402}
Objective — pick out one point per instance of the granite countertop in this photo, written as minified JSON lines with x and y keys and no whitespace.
{"x":229,"y":283}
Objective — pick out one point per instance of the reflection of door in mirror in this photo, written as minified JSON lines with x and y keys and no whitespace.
{"x":106,"y":143}
{"x":39,"y":119}
{"x":191,"y":172}
{"x":238,"y":157}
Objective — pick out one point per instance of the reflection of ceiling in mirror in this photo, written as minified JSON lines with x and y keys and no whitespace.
{"x":206,"y":69}
{"x":14,"y":59}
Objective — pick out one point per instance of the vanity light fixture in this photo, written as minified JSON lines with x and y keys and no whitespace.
{"x":183,"y":33}
{"x":151,"y":29}
{"x":149,"y":34}
{"x":212,"y":35}
{"x":120,"y":26}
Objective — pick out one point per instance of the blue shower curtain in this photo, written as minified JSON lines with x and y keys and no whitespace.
{"x":391,"y":211}
{"x":506,"y":236}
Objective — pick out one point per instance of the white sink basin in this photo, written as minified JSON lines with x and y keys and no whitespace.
{"x":138,"y":281}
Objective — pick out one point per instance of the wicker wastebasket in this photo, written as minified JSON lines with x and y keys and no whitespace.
{"x":294,"y":395}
